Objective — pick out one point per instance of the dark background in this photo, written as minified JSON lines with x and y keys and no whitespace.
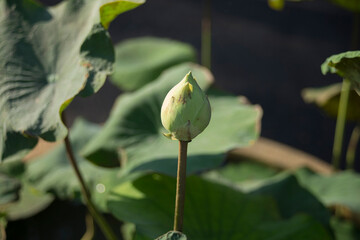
{"x":265,"y":55}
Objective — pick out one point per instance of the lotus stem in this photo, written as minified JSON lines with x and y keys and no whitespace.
{"x":180,"y":187}
{"x":340,"y":123}
{"x":100,"y":220}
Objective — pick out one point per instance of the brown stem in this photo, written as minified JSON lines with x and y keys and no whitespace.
{"x":180,"y":187}
{"x":100,"y":220}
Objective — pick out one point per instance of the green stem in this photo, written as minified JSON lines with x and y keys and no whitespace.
{"x":90,"y":231}
{"x":344,"y":98}
{"x":206,"y":34}
{"x":340,"y":123}
{"x":180,"y":187}
{"x":100,"y":220}
{"x":351,"y":151}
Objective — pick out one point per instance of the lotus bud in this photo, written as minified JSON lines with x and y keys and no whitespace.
{"x":186,"y":111}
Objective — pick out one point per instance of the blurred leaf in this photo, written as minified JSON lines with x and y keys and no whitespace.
{"x":141,"y":237}
{"x":299,"y":227}
{"x":25,"y":200}
{"x":49,"y":55}
{"x":13,"y":168}
{"x":344,"y":230}
{"x":259,"y":179}
{"x":31,"y":202}
{"x":109,"y":11}
{"x":327,"y":98}
{"x":135,"y":128}
{"x":172,"y":235}
{"x":212,"y":211}
{"x":246,"y":171}
{"x":293,"y":199}
{"x":141,"y":60}
{"x":351,"y":5}
{"x":9,"y":189}
{"x":52,"y":172}
{"x":339,"y":188}
{"x":346,"y":65}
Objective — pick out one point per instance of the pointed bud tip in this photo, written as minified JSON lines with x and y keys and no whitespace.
{"x":188,"y":88}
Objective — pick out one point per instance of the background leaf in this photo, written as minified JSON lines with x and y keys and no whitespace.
{"x":283,"y":187}
{"x":293,"y":199}
{"x":31,"y":202}
{"x":327,"y":98}
{"x":9,"y":189}
{"x":141,"y":60}
{"x":53,"y":173}
{"x":244,"y":171}
{"x":26,"y":200}
{"x":212,"y":211}
{"x":135,"y":128}
{"x":339,"y":188}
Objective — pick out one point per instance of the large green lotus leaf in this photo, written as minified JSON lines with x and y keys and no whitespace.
{"x":297,"y":200}
{"x":338,"y":189}
{"x":299,"y":227}
{"x":134,"y":129}
{"x":212,"y":211}
{"x":141,"y":60}
{"x":53,"y":173}
{"x":48,"y":56}
{"x":346,"y":65}
{"x":263,"y":180}
{"x":328,"y":98}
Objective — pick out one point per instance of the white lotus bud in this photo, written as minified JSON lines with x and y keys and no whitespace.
{"x":186,"y":111}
